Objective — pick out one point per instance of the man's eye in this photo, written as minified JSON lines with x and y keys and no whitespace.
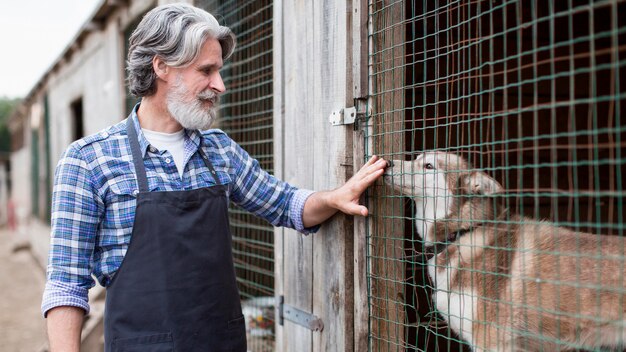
{"x":429,"y":166}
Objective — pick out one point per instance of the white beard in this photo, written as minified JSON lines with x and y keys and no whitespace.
{"x":191,"y":115}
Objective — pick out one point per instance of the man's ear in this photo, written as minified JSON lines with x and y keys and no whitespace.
{"x":478,"y":182}
{"x":161,"y":69}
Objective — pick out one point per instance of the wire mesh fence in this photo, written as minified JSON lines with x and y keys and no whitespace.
{"x":500,"y":225}
{"x":246,"y":115}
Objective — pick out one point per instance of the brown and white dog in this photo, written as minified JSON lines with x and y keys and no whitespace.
{"x":505,"y":282}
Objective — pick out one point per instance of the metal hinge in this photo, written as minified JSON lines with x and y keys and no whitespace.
{"x":351,"y":115}
{"x":343,"y":116}
{"x":300,"y":317}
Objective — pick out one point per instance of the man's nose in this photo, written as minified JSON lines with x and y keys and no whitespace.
{"x":217,"y":84}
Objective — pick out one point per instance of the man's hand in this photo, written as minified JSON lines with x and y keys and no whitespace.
{"x":346,"y":197}
{"x":322,"y":205}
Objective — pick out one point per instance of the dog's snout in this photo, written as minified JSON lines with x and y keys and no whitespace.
{"x":388,"y":169}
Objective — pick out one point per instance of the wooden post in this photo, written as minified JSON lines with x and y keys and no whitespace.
{"x":360,"y":91}
{"x":333,"y":246}
{"x":294,"y":83}
{"x":387,"y":278}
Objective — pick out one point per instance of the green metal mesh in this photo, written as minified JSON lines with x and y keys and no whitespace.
{"x":532,"y":93}
{"x":246,"y":115}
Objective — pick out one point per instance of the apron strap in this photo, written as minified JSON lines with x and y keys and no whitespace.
{"x":140,"y":169}
{"x":207,"y":162}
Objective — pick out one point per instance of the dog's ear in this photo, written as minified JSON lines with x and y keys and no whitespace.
{"x":478,"y":182}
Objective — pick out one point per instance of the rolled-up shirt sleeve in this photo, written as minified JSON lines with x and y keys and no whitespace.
{"x":76,"y":214}
{"x":57,"y":294}
{"x":264,"y":195}
{"x":297,"y":209}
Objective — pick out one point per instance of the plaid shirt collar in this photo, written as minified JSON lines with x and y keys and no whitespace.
{"x":192,"y":137}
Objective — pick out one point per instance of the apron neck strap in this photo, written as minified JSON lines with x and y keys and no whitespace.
{"x":207,"y":162}
{"x":140,"y":169}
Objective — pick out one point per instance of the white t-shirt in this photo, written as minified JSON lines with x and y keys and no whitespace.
{"x":172,"y":142}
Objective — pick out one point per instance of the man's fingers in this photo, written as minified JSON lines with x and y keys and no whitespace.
{"x":364,"y":169}
{"x":373,"y":165}
{"x":372,"y":160}
{"x":359,"y":186}
{"x":372,"y":177}
{"x":368,"y":174}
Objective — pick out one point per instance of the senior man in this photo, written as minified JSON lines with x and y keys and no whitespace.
{"x":142,"y":205}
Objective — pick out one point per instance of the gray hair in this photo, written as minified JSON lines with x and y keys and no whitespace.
{"x":175,"y":33}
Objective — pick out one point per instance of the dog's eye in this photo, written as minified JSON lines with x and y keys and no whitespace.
{"x":429,"y":166}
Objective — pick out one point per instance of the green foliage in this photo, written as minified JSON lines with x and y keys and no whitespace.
{"x":6,"y":107}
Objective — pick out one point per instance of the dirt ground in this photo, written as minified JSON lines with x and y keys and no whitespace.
{"x":22,"y":327}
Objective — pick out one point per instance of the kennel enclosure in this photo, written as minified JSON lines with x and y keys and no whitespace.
{"x":531,"y":92}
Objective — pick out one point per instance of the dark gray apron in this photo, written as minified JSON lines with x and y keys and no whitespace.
{"x":176,"y":287}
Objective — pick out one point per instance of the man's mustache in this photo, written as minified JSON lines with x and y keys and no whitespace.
{"x":211,"y":96}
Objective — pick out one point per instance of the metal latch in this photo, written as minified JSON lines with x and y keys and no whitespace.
{"x":298,"y":316}
{"x":343,"y":116}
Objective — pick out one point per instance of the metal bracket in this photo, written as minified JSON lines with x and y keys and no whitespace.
{"x":350,"y":116}
{"x":298,"y":316}
{"x":344,"y":116}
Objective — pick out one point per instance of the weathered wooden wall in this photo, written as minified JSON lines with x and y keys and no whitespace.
{"x":312,"y":79}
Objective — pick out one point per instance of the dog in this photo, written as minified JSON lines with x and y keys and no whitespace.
{"x":505,"y":282}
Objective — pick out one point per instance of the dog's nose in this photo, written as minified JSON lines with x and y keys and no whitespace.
{"x":389,"y":163}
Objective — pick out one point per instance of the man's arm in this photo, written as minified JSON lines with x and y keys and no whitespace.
{"x":322,"y":205}
{"x":64,"y":327}
{"x":76,"y":214}
{"x":265,"y":196}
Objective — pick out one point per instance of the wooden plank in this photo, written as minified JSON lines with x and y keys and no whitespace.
{"x":387,"y":236}
{"x":361,"y":309}
{"x":359,"y":41}
{"x":332,"y":259}
{"x":298,"y":150}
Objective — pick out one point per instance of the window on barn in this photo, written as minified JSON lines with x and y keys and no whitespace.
{"x":47,"y":196}
{"x":130,"y":100}
{"x":35,"y":165}
{"x":78,"y":126}
{"x":533,"y":95}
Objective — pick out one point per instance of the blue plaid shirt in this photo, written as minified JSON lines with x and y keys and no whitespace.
{"x":94,"y":197}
